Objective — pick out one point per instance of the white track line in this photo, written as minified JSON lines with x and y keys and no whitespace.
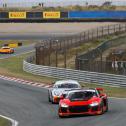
{"x":14,"y":122}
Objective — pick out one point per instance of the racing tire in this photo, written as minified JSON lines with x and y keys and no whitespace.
{"x":60,"y":116}
{"x":106,"y":107}
{"x":12,"y":52}
{"x":53,"y":102}
{"x":102,"y":109}
{"x":49,"y":97}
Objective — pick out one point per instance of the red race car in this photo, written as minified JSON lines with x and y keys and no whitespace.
{"x":83,"y":101}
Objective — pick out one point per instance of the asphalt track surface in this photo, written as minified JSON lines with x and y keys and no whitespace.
{"x":30,"y":107}
{"x":12,"y":31}
{"x":19,"y":51}
{"x":24,"y":49}
{"x":31,"y":36}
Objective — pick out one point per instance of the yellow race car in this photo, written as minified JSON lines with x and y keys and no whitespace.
{"x":6,"y":50}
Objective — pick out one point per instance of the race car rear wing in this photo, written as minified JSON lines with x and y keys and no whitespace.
{"x":99,"y":89}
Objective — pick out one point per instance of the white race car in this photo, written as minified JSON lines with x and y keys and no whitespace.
{"x":55,"y":93}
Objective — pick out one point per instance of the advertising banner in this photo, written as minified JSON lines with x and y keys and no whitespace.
{"x":51,"y":14}
{"x":17,"y":15}
{"x":97,"y":14}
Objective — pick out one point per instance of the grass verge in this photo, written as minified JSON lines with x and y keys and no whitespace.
{"x":119,"y":92}
{"x":4,"y":122}
{"x":13,"y":67}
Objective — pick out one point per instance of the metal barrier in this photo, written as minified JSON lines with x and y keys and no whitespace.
{"x":81,"y":76}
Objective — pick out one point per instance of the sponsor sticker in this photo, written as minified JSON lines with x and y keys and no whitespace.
{"x":51,"y":14}
{"x":17,"y":15}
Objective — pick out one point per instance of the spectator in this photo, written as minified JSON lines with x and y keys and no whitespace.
{"x":5,"y":5}
{"x":42,"y":4}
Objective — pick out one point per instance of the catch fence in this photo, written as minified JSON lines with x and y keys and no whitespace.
{"x":49,"y":50}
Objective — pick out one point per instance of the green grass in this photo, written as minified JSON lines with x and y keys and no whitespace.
{"x":13,"y":67}
{"x":110,"y":91}
{"x":4,"y":122}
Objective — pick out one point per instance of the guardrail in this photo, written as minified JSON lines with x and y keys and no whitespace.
{"x":82,"y":76}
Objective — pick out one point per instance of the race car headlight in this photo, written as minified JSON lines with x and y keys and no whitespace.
{"x":64,"y":105}
{"x":94,"y":104}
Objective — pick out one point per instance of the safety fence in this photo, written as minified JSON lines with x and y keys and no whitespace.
{"x":63,"y":15}
{"x":56,"y":48}
{"x":88,"y":61}
{"x":81,"y":76}
{"x":114,"y":67}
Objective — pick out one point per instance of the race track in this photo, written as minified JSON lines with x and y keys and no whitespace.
{"x":34,"y":31}
{"x":29,"y":106}
{"x":19,"y":51}
{"x":38,"y":31}
{"x":30,"y":36}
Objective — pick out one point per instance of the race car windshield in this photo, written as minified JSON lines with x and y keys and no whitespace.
{"x":81,"y":96}
{"x":68,"y":85}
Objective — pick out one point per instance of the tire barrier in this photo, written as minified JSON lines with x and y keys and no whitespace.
{"x":13,"y":45}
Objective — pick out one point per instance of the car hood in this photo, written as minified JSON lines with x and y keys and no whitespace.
{"x":60,"y":91}
{"x":79,"y":103}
